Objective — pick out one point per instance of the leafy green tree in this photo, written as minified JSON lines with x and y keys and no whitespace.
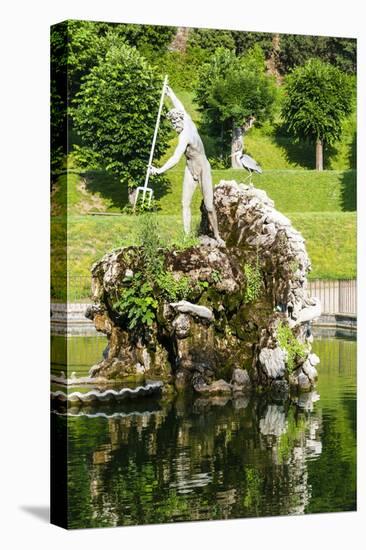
{"x":146,"y":38}
{"x":233,"y":89}
{"x":89,"y":41}
{"x":246,"y":40}
{"x":86,"y":44}
{"x":318,"y":98}
{"x":211,"y":39}
{"x":58,"y":95}
{"x":77,"y":47}
{"x":343,"y":53}
{"x":297,"y":49}
{"x":116,"y":111}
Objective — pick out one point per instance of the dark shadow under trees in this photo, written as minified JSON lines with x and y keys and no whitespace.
{"x":114,"y":192}
{"x":349,"y":190}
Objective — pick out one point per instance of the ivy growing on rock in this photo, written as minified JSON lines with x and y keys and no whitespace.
{"x":289,"y":343}
{"x":253,"y":287}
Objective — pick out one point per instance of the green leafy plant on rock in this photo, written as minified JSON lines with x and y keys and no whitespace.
{"x":139,"y":297}
{"x":174,"y":289}
{"x":136,"y":301}
{"x":253,"y":287}
{"x":216,"y":276}
{"x":183,"y":241}
{"x":289,"y":343}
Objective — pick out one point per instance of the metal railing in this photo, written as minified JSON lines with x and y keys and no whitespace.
{"x":338,"y":296}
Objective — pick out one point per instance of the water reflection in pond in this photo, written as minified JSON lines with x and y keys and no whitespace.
{"x":219,"y":458}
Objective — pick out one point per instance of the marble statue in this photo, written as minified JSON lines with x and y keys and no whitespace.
{"x":197,"y":171}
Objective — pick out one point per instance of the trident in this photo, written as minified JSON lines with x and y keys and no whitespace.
{"x":145,"y":189}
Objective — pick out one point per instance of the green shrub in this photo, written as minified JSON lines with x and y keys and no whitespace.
{"x":136,"y":302}
{"x":151,"y":246}
{"x":289,"y":343}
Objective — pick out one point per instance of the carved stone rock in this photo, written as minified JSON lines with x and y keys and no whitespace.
{"x":223,"y":337}
{"x":273,"y":362}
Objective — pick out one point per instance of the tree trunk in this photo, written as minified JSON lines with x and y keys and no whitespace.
{"x":319,"y":155}
{"x":222,"y":143}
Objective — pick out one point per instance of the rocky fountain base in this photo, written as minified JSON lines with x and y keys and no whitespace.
{"x":214,"y":319}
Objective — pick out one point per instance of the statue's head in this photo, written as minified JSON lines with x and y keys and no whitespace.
{"x":177,"y":119}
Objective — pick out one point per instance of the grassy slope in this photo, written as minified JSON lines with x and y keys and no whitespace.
{"x":282,"y":152}
{"x":292,"y":190}
{"x":330,"y":241}
{"x":313,"y":201}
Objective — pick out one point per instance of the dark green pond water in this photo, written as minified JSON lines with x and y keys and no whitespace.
{"x":218,"y":459}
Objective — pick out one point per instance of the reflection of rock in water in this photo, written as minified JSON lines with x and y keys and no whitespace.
{"x":177,"y":462}
{"x":202,"y":403}
{"x":274,"y":421}
{"x":186,"y":480}
{"x":296,"y":440}
{"x":306,"y":400}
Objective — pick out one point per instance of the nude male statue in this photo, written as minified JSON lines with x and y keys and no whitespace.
{"x":197,"y":171}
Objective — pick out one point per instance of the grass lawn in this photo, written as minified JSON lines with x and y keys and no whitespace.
{"x":330,"y":239}
{"x":331,"y":242}
{"x":292,"y":191}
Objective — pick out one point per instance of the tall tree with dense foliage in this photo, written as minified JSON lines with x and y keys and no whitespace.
{"x":318,"y":98}
{"x":89,"y":41}
{"x":211,"y":39}
{"x":116,"y":111}
{"x":296,"y":49}
{"x":233,"y":89}
{"x":246,"y":40}
{"x":58,"y":43}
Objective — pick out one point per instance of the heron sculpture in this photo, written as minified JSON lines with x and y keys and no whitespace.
{"x":249,"y":164}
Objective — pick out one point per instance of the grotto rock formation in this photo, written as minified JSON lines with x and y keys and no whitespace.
{"x":242,"y":321}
